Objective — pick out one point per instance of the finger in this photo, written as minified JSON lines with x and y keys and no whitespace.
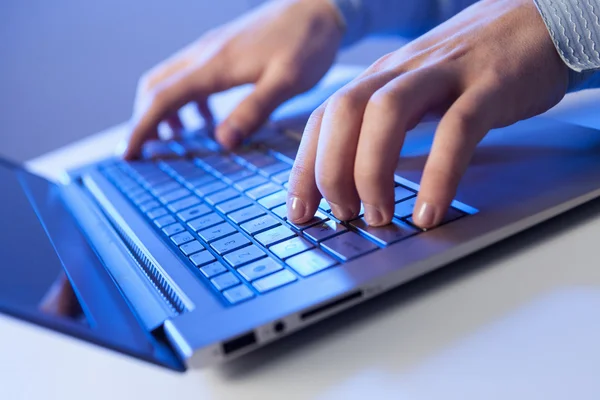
{"x":391,"y":112}
{"x":338,"y":140}
{"x":303,"y":195}
{"x":169,"y":97}
{"x":175,"y":124}
{"x":460,"y":130}
{"x":269,"y":92}
{"x":206,"y":113}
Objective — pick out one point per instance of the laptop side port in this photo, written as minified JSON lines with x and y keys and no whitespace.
{"x":337,"y":303}
{"x":239,"y":343}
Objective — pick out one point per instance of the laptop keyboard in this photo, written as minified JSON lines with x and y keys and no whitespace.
{"x":225,"y":214}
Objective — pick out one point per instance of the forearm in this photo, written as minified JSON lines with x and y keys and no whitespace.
{"x":575,"y":30}
{"x":397,"y":17}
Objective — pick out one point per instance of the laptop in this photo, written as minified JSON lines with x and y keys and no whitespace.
{"x":186,"y":258}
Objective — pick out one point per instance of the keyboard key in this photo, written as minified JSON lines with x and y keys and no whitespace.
{"x":177,"y":165}
{"x":149,"y":205}
{"x":273,"y":200}
{"x":230,"y":243}
{"x":234,"y":205}
{"x":182,"y":238}
{"x":324,"y":205}
{"x":173,"y":229}
{"x":158,"y":212}
{"x":228,"y":167}
{"x":215,"y":159}
{"x":319,"y":217}
{"x":213,"y":269}
{"x":274,"y":281}
{"x":262,"y":191}
{"x":257,"y":158}
{"x":205,"y":221}
{"x":451,"y":215}
{"x":174,"y":196}
{"x":163,"y":221}
{"x":250,"y":183}
{"x":144,"y":197}
{"x":202,"y":258}
{"x":192,"y":247}
{"x":281,"y":211}
{"x":199,"y":181}
{"x":259,"y":269}
{"x":194,"y":212}
{"x":402,"y":193}
{"x":238,"y":294}
{"x":165,"y":188}
{"x":225,"y":281}
{"x":238,"y":175}
{"x":324,"y":230}
{"x":134,"y":191}
{"x":273,"y":169}
{"x":246,"y":214}
{"x":385,"y":235}
{"x":282,"y":177}
{"x":405,"y":208}
{"x":244,"y":255}
{"x":191,"y":173}
{"x":223,"y":195}
{"x":217,"y":232}
{"x":291,"y":247}
{"x":184,"y":203}
{"x":348,"y":246}
{"x":311,"y":262}
{"x":155,"y":180}
{"x":275,"y":235}
{"x":259,"y":224}
{"x":210,"y":188}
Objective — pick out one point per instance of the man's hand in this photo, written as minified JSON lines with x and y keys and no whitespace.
{"x":284,"y":48}
{"x":489,"y":66}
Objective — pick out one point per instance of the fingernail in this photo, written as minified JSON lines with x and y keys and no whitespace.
{"x":341,"y":213}
{"x":296,"y":209}
{"x":425,"y":217}
{"x":373,"y":216}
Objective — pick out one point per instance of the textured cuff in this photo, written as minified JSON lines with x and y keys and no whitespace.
{"x":575,"y":30}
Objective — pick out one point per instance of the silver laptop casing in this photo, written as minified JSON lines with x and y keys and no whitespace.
{"x":519,"y":177}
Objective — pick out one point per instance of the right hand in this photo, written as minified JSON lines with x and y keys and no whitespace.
{"x":284,"y":48}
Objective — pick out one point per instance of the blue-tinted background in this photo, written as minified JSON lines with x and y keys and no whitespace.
{"x":68,"y":68}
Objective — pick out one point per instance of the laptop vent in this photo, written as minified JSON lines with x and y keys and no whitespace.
{"x":150,"y":270}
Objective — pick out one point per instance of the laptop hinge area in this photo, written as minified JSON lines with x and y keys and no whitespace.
{"x":124,"y":264}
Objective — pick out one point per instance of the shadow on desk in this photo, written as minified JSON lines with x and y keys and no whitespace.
{"x":403,"y":328}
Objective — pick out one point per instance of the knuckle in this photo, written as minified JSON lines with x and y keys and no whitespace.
{"x":381,"y":63}
{"x":466,"y":120}
{"x":345,"y":100}
{"x":386,"y":102}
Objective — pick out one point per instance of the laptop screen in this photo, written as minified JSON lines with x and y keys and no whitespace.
{"x":51,"y":276}
{"x":32,"y":273}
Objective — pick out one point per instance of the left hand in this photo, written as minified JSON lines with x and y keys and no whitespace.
{"x":488,"y":67}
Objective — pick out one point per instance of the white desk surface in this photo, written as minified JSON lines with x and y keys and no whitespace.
{"x":520,"y":320}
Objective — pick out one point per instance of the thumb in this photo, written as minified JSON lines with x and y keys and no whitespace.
{"x":253,"y":111}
